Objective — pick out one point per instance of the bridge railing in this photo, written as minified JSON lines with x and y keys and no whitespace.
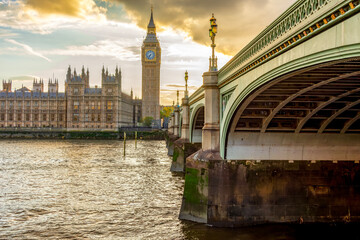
{"x":303,"y":19}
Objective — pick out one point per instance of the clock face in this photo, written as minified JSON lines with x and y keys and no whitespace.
{"x":150,"y":55}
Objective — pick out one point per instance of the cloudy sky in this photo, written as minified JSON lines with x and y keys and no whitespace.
{"x":40,"y":38}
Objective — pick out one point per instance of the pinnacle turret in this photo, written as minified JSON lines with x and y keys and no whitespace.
{"x":83,"y":71}
{"x":68,"y":75}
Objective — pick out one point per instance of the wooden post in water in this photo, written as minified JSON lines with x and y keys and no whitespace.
{"x":124,"y":142}
{"x":135,"y":139}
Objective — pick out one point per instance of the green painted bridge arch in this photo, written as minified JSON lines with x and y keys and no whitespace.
{"x":332,"y":47}
{"x":286,"y":107}
{"x":312,"y":111}
{"x":310,"y":38}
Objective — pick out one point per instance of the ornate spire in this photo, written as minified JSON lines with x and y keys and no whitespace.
{"x":151,"y":26}
{"x":151,"y":22}
{"x":83,"y":71}
{"x":68,"y":75}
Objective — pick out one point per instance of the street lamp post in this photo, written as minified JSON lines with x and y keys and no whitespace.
{"x":185,"y":134}
{"x":212,"y":34}
{"x":176,"y":115}
{"x":211,"y":129}
{"x":177,"y":98}
{"x":186,"y":85}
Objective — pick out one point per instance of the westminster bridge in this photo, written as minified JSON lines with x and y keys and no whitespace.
{"x":274,"y":135}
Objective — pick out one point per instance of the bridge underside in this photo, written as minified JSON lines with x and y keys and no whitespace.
{"x":198,"y":124}
{"x":310,"y":114}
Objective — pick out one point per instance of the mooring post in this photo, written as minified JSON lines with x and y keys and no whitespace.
{"x":124,"y":142}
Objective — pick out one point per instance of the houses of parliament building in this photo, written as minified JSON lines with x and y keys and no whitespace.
{"x":80,"y":107}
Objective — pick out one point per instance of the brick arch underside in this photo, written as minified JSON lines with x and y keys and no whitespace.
{"x":318,"y":100}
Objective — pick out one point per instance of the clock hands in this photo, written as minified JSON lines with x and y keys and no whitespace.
{"x":150,"y":54}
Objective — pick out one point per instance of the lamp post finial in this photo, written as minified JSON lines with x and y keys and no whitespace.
{"x":186,"y":84}
{"x":212,"y":34}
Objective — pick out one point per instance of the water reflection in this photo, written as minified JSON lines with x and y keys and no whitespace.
{"x":89,"y":190}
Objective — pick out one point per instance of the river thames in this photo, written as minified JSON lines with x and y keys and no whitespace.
{"x":59,"y":189}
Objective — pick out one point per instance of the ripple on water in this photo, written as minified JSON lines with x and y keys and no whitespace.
{"x":87,"y":189}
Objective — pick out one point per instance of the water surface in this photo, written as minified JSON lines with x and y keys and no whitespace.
{"x":59,"y":189}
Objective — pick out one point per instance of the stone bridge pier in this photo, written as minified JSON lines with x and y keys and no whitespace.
{"x":182,"y":146}
{"x":196,"y":191}
{"x":171,"y":136}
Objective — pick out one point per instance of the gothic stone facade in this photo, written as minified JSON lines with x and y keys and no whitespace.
{"x":78,"y":108}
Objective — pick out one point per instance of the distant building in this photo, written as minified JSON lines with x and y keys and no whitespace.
{"x":151,"y":60}
{"x":81,"y":107}
{"x":78,"y":108}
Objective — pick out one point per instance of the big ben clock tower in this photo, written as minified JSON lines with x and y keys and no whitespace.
{"x":151,"y":59}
